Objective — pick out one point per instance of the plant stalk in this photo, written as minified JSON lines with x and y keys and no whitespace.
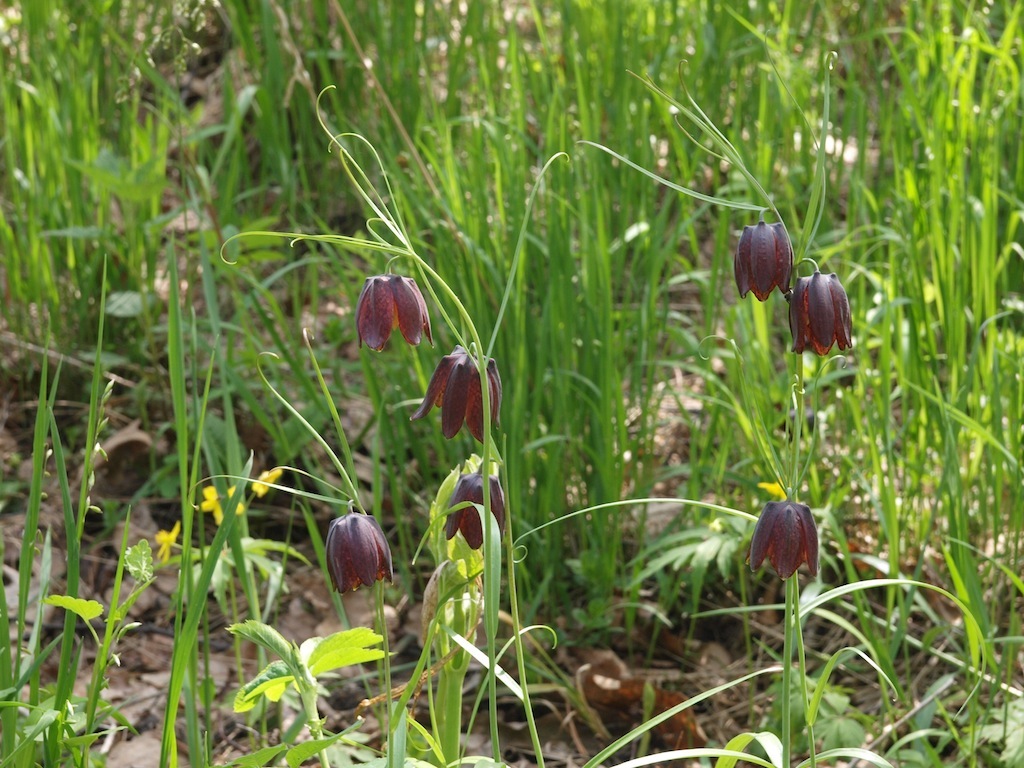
{"x":792,"y":597}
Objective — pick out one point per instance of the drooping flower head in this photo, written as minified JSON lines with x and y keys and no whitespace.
{"x":785,"y":533}
{"x":455,"y":388}
{"x":471,"y":488}
{"x":357,"y":552}
{"x":819,"y":314}
{"x":388,"y":302}
{"x":764,"y":260}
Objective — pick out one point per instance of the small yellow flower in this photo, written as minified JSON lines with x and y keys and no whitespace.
{"x":165,"y":540}
{"x":260,"y":487}
{"x":211,"y":503}
{"x":775,"y":490}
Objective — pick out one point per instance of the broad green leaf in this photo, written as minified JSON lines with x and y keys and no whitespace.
{"x":839,"y":732}
{"x":271,"y":682}
{"x":264,"y":636}
{"x":342,"y":649}
{"x":139,"y":561}
{"x":86,"y":610}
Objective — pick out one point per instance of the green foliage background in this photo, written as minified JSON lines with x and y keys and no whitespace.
{"x":141,"y":136}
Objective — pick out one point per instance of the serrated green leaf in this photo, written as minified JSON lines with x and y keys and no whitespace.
{"x":264,"y":636}
{"x":272,"y":682}
{"x":840,"y":733}
{"x":84,"y":609}
{"x":342,"y":649}
{"x":139,"y":561}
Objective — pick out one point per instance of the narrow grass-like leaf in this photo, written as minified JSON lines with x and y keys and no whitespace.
{"x":768,"y":741}
{"x":722,"y":201}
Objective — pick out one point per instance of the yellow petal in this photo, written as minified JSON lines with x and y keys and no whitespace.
{"x":775,"y":490}
{"x":210,"y":500}
{"x":260,"y":487}
{"x":166,"y":540}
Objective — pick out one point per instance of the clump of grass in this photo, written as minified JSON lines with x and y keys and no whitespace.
{"x":617,"y":282}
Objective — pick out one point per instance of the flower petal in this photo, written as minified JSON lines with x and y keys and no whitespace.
{"x":357,"y":552}
{"x":763,"y":264}
{"x":786,"y":534}
{"x":375,"y":312}
{"x":842,"y":307}
{"x":437,"y":386}
{"x":741,"y":262}
{"x":821,"y":315}
{"x":798,"y":314}
{"x":457,"y":397}
{"x":494,"y":387}
{"x":410,"y":309}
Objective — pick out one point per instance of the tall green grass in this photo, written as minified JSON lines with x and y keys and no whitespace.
{"x":620,"y":283}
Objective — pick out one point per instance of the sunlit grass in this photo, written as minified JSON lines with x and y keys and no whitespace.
{"x":603,"y":348}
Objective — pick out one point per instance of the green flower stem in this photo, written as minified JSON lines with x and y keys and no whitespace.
{"x":350,"y":487}
{"x":382,"y":626}
{"x":452,"y":676}
{"x":792,"y":597}
{"x":517,"y":639}
{"x":492,"y":571}
{"x":794,"y":628}
{"x":802,"y":667}
{"x":449,"y":705}
{"x":798,"y":422}
{"x":308,"y":694}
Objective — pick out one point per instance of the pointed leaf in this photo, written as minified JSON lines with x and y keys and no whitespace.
{"x":257,"y":759}
{"x":300,"y":753}
{"x":264,"y":636}
{"x":342,"y":649}
{"x":271,"y":682}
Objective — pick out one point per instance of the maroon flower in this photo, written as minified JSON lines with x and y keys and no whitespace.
{"x":819,"y":314}
{"x":785,"y":533}
{"x":471,"y":488}
{"x":455,"y":388}
{"x":764,"y":260}
{"x":388,"y":302}
{"x":357,"y":552}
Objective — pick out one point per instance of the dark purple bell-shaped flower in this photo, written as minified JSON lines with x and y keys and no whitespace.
{"x":455,"y":388}
{"x":471,"y":488}
{"x":764,"y":260}
{"x":785,"y":533}
{"x":388,"y":302}
{"x":357,"y":552}
{"x":819,"y":314}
